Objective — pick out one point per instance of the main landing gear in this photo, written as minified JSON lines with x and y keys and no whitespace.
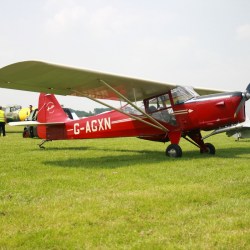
{"x":209,"y":149}
{"x":175,"y":151}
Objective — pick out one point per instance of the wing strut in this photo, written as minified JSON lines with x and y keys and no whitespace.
{"x":121,"y":111}
{"x":134,"y":106}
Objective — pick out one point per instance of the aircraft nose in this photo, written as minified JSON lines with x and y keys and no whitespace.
{"x":245,"y":97}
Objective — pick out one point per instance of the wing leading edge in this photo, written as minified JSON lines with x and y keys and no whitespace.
{"x":45,"y":77}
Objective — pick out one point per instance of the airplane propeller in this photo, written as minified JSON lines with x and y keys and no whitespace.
{"x":245,"y":97}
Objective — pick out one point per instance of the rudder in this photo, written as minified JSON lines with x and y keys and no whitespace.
{"x":49,"y":110}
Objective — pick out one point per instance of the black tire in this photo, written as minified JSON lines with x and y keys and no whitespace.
{"x":31,"y":132}
{"x":174,"y":150}
{"x":210,"y":149}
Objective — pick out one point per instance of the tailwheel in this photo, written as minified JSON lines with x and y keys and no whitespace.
{"x":174,"y":150}
{"x":208,"y":148}
{"x":41,"y":144}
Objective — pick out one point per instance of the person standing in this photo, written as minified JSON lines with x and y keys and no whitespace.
{"x":2,"y":121}
{"x":31,"y":108}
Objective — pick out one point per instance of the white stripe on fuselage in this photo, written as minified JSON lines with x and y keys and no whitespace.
{"x":209,"y":98}
{"x":123,"y":120}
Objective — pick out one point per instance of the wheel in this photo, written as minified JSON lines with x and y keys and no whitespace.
{"x":174,"y":150}
{"x":31,"y":131}
{"x":25,"y":133}
{"x":210,"y":149}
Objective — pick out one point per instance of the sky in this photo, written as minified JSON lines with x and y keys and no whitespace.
{"x":187,"y":42}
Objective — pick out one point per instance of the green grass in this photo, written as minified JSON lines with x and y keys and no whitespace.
{"x":123,"y":193}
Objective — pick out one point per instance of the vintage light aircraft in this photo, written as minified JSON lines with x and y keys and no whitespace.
{"x":16,"y":113}
{"x":167,"y":112}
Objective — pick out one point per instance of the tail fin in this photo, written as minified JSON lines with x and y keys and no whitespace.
{"x":49,"y":110}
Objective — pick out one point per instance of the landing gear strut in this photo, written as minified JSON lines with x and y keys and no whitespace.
{"x":197,"y":140}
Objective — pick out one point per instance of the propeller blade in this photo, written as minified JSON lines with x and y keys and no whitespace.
{"x":248,"y":89}
{"x":245,"y":97}
{"x":239,"y":106}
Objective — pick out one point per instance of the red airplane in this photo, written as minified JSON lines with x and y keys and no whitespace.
{"x":167,"y":112}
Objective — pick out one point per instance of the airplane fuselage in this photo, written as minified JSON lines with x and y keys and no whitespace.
{"x":200,"y":113}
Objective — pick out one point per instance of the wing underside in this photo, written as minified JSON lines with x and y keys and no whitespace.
{"x":44,"y":77}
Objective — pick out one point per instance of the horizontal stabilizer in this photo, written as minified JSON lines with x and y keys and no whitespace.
{"x":34,"y":123}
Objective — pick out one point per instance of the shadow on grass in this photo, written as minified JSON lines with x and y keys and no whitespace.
{"x":15,"y":132}
{"x":135,"y":157}
{"x":116,"y":161}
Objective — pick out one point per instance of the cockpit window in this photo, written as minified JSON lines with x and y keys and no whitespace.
{"x":160,"y":108}
{"x":183,"y":94}
{"x":159,"y":102}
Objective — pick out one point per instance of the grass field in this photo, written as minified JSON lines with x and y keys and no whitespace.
{"x":123,"y":194}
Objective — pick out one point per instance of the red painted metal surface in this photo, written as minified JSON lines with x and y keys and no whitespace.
{"x":203,"y":113}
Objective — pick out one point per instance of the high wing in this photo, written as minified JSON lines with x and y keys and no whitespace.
{"x":45,"y":77}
